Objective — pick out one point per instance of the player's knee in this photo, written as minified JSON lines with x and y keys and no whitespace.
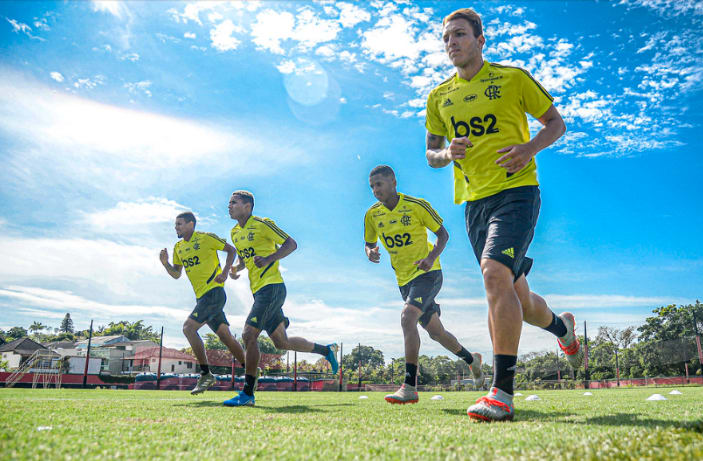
{"x":408,"y":320}
{"x":496,"y":278}
{"x":248,"y":337}
{"x":280,"y":343}
{"x":188,"y":329}
{"x":435,"y":334}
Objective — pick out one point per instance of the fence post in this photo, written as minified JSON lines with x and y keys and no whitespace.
{"x":587,"y":374}
{"x":158,"y":371}
{"x":87,"y":356}
{"x":698,"y":342}
{"x":341,"y":373}
{"x":617,"y":366}
{"x":295,"y":371}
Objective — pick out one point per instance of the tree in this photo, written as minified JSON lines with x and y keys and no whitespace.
{"x":672,"y":322}
{"x":368,"y":356}
{"x":132,"y":330}
{"x":66,"y":324}
{"x":37,"y":327}
{"x":212,"y":342}
{"x":15,"y":333}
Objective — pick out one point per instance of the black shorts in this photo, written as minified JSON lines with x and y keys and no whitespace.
{"x":421,"y":291}
{"x":501,"y":227}
{"x":266,"y":313}
{"x":210,"y":309}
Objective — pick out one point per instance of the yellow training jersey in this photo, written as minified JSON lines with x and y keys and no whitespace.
{"x":259,"y":237}
{"x":489,"y":110}
{"x":403,"y":232}
{"x":199,"y":258}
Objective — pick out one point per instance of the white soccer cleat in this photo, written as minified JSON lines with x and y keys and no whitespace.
{"x":569,"y":343}
{"x":479,"y":377}
{"x":406,"y":394}
{"x":204,"y":383}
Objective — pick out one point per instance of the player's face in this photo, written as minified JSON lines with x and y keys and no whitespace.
{"x":460,"y":44}
{"x":383,"y":187}
{"x":183,"y":227}
{"x":237,"y":207}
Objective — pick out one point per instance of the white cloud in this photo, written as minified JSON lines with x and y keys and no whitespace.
{"x":133,"y":57}
{"x":135,"y":87}
{"x":89,"y":83}
{"x":117,"y":9}
{"x":351,"y":14}
{"x":19,"y":26}
{"x":57,"y":76}
{"x":126,"y":216}
{"x":189,"y":35}
{"x":306,"y":30}
{"x":221,"y":36}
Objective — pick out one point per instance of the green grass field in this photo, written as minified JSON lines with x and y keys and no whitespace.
{"x":118,"y":424}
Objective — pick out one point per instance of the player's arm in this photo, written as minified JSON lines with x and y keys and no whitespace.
{"x":234,"y":272}
{"x":427,"y":262}
{"x":519,"y":155}
{"x":439,"y":156}
{"x":372,"y":252}
{"x":231,"y":253}
{"x":173,"y":270}
{"x":288,"y":247}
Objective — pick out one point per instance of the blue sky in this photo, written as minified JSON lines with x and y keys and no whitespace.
{"x":114,"y":117}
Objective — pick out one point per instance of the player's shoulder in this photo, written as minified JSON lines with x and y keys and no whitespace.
{"x":420,"y":204}
{"x":416,"y":201}
{"x":268,"y":222}
{"x":375,"y":206}
{"x":510,"y":71}
{"x":212,"y":235}
{"x":442,"y":87}
{"x":262,"y":220}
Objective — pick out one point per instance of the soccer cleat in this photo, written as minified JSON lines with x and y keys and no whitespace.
{"x":203,"y":384}
{"x":569,"y":343}
{"x":240,"y":400}
{"x":490,"y":409}
{"x":331,"y":357}
{"x":406,"y":394}
{"x":479,"y":377}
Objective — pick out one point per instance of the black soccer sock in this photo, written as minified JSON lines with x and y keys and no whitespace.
{"x":204,"y":369}
{"x":504,"y":372}
{"x":249,"y":384}
{"x":557,"y":327}
{"x":320,"y":349}
{"x":465,"y":355}
{"x":410,"y":374}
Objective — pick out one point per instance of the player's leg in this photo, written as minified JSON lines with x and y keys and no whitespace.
{"x":536,"y":312}
{"x":411,"y":338}
{"x":438,"y":333}
{"x":232,"y":344}
{"x":245,"y":397}
{"x":190,"y":330}
{"x":296,"y":343}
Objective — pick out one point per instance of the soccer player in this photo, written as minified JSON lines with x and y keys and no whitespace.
{"x":260,"y":244}
{"x":481,"y":110}
{"x":197,"y":252}
{"x":401,"y":222}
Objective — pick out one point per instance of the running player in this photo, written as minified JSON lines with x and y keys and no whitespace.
{"x":197,"y":252}
{"x":260,"y":245}
{"x":401,"y":222}
{"x":481,"y":110}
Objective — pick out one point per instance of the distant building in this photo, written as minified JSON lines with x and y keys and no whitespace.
{"x":16,"y":352}
{"x":172,"y":361}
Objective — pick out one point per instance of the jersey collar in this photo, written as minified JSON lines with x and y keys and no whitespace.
{"x":400,"y":199}
{"x":480,"y":73}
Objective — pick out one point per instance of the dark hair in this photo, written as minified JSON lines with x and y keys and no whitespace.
{"x":246,"y":196}
{"x":468,"y":14}
{"x":187,"y":216}
{"x":384,"y":170}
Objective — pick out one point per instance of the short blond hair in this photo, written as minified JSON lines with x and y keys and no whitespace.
{"x":468,"y":14}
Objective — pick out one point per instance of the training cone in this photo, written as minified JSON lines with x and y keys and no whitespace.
{"x":587,"y":393}
{"x":363,"y":397}
{"x":532,"y":397}
{"x":437,"y":397}
{"x":675,"y":392}
{"x":518,"y":394}
{"x":656,"y":397}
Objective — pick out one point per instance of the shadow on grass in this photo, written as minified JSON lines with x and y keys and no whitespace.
{"x":634,"y":419}
{"x":299,"y":408}
{"x":520,"y":414}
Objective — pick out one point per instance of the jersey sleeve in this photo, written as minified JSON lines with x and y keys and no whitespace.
{"x":214,"y":242}
{"x":273,"y":231}
{"x":433,"y":120}
{"x":370,"y":234}
{"x":176,"y":258}
{"x":428,"y":216}
{"x":535,"y":98}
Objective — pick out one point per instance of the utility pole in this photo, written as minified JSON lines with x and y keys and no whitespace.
{"x":587,"y":382}
{"x":341,"y":372}
{"x":617,"y":366}
{"x":87,"y":356}
{"x":698,"y":342}
{"x":161,"y":347}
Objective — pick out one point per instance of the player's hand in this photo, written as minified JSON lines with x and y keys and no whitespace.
{"x":261,"y":261}
{"x":233,"y":273}
{"x":222,"y":278}
{"x":457,"y":148}
{"x":424,"y":264}
{"x":373,"y":254}
{"x":516,"y":158}
{"x":163,"y":256}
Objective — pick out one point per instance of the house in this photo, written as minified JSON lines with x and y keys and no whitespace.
{"x":172,"y":361}
{"x":16,"y":352}
{"x":100,"y":341}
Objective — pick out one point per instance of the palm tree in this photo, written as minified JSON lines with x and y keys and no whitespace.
{"x":37,"y":326}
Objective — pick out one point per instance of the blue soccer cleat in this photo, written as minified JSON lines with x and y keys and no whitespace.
{"x":332,"y":357}
{"x":240,"y":400}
